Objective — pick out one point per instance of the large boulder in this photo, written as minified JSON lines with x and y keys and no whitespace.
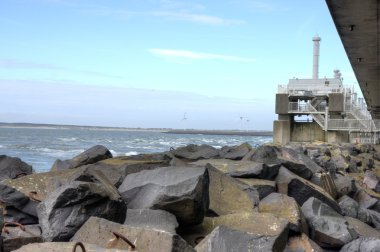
{"x":362,"y":229}
{"x":227,"y":194}
{"x":327,"y":228}
{"x":224,"y":239}
{"x":195,"y":152}
{"x":241,"y":169}
{"x":182,"y":191}
{"x":265,"y":224}
{"x":362,"y":245}
{"x":296,"y":162}
{"x":365,"y":200}
{"x":151,"y":219}
{"x":11,"y":168}
{"x":286,"y":207}
{"x":235,"y":152}
{"x":301,"y":189}
{"x":262,"y":186}
{"x":64,"y":210}
{"x":100,"y":231}
{"x":90,"y":156}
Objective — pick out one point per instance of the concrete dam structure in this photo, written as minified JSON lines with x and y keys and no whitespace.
{"x":322,"y":109}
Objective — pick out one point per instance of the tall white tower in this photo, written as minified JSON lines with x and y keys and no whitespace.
{"x":316,"y":40}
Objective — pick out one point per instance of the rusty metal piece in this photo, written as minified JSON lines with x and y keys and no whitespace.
{"x":21,"y":174}
{"x":80,"y":244}
{"x":10,"y":223}
{"x":32,"y":196}
{"x":118,"y":235}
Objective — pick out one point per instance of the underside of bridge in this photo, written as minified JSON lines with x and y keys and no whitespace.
{"x":357,"y":23}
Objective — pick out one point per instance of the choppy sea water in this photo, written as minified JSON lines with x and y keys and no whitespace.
{"x":40,"y":147}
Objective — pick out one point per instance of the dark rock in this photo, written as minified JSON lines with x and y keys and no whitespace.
{"x":263,"y":187}
{"x":195,"y":152}
{"x":224,"y":239}
{"x":362,"y":229}
{"x":15,"y":215}
{"x":353,"y":167}
{"x":241,"y":169}
{"x":16,"y":237}
{"x":90,"y":156}
{"x":302,"y":243}
{"x":1,"y":219}
{"x":344,"y":186}
{"x":151,"y":219}
{"x":99,"y":232}
{"x":349,"y":206}
{"x":375,"y":218}
{"x":301,"y":190}
{"x":286,"y":207}
{"x":362,"y":245}
{"x":227,"y":195}
{"x":327,"y":228}
{"x":266,"y":224}
{"x":370,"y":179}
{"x":64,"y":211}
{"x":11,"y":168}
{"x":364,"y":200}
{"x":182,"y":191}
{"x":376,"y":156}
{"x":296,"y":162}
{"x":235,"y":152}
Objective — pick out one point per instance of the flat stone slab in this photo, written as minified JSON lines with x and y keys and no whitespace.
{"x":99,"y":232}
{"x":63,"y":247}
{"x":182,"y":191}
{"x":153,"y":219}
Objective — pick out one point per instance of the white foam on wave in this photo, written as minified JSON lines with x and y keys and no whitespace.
{"x":131,"y":153}
{"x":114,"y":153}
{"x":67,"y":139}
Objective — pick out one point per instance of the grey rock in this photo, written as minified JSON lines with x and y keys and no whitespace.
{"x":182,"y":191}
{"x":151,"y":219}
{"x":364,"y":200}
{"x":327,"y":228}
{"x":195,"y":152}
{"x":64,"y":211}
{"x":370,"y":179}
{"x":344,"y":185}
{"x":349,"y":206}
{"x":99,"y":232}
{"x":235,"y":152}
{"x":224,"y":239}
{"x":15,"y":237}
{"x":301,"y":190}
{"x":362,"y":245}
{"x":286,"y":207}
{"x":90,"y":156}
{"x":375,"y":218}
{"x":11,"y":168}
{"x":362,"y":229}
{"x":227,"y":194}
{"x":296,"y":162}
{"x":263,"y":187}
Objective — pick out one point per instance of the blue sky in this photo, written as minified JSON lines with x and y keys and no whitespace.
{"x":144,"y":63}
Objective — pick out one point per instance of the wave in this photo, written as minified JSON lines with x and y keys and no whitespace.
{"x":67,"y":139}
{"x":114,"y":153}
{"x":131,"y":153}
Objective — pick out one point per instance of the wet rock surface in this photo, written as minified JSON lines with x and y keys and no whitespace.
{"x":300,"y":197}
{"x":12,"y":167}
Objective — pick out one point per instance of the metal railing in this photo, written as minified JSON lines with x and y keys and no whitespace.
{"x":301,"y":89}
{"x":305,"y":108}
{"x":349,"y":124}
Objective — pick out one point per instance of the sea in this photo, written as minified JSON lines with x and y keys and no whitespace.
{"x":40,"y":147}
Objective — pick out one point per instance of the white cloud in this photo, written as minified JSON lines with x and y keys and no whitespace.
{"x":197,"y":18}
{"x":184,"y":54}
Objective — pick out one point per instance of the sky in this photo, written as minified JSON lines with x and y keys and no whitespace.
{"x":159,"y":63}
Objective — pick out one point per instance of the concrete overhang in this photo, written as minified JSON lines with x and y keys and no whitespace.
{"x":357,"y":23}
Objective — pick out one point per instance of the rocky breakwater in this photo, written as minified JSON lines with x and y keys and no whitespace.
{"x":304,"y":197}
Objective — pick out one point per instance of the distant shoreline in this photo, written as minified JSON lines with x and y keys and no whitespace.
{"x":162,"y":130}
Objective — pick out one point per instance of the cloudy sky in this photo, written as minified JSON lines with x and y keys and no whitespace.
{"x":145,"y":63}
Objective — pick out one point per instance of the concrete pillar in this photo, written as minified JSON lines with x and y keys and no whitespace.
{"x":281,"y":132}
